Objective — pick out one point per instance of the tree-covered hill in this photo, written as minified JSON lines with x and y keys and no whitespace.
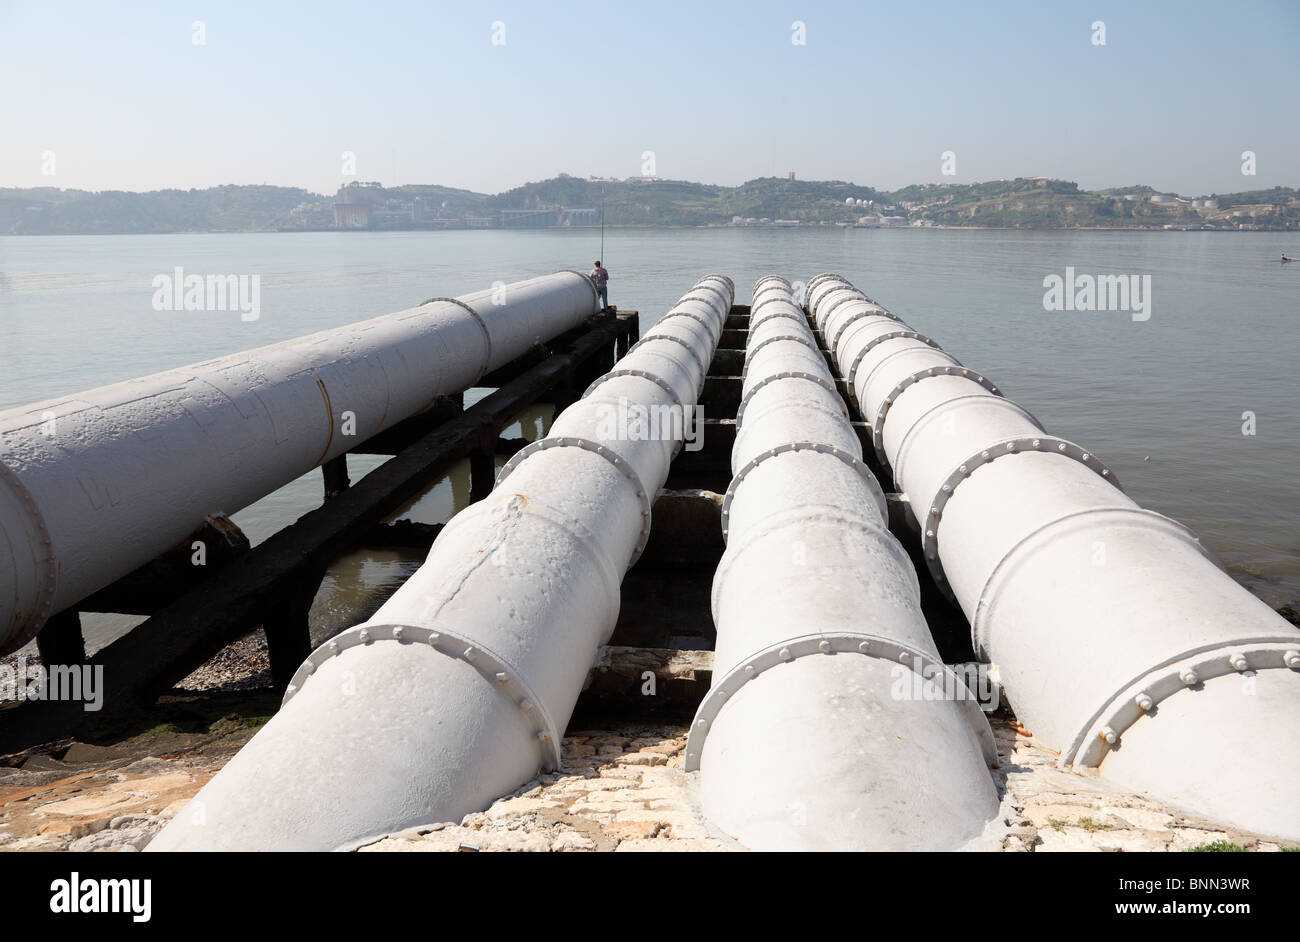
{"x":1031,"y":203}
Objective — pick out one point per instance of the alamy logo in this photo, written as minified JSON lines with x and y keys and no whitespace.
{"x":1098,"y":293}
{"x":75,"y":895}
{"x":627,"y":421}
{"x":921,"y":681}
{"x":181,"y":292}
{"x":58,"y":682}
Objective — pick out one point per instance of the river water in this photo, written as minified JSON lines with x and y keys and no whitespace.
{"x":1162,"y":400}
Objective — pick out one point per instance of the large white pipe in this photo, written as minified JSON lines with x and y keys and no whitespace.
{"x":830,"y":724}
{"x":96,"y":484}
{"x":460,"y":686}
{"x":1118,"y":637}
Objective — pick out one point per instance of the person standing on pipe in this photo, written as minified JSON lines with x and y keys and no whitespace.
{"x":601,"y":277}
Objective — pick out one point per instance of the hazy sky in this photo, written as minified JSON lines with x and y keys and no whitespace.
{"x":124,"y":98}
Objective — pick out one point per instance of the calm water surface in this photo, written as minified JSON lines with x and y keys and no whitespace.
{"x":1160,"y":401}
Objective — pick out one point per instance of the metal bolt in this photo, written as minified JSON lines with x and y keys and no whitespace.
{"x":364,"y":636}
{"x":1144,"y":702}
{"x":502,"y":677}
{"x":785,"y":654}
{"x":749,"y":669}
{"x":1108,"y":734}
{"x":1238,"y":662}
{"x":397,"y":633}
{"x":433,"y":638}
{"x":1291,"y":659}
{"x":864,"y":646}
{"x":1189,"y":678}
{"x":824,"y":647}
{"x":334,"y":647}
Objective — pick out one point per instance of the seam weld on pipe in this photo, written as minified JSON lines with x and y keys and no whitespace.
{"x":460,"y":686}
{"x":96,"y":484}
{"x":1118,"y":637}
{"x":822,"y":729}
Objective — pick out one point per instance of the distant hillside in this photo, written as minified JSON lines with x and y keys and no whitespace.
{"x":1037,"y":203}
{"x":1028,"y":203}
{"x":681,"y":203}
{"x":46,"y":210}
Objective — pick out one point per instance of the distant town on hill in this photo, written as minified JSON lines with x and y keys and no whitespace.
{"x":569,"y":202}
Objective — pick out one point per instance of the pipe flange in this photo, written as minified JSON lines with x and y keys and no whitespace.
{"x":815,"y":280}
{"x":643,"y":374}
{"x":711,"y":327}
{"x":795,"y":314}
{"x":788,"y":374}
{"x":876,"y":312}
{"x":821,"y":448}
{"x":878,"y":426}
{"x":704,"y":284}
{"x":46,"y":560}
{"x":856,"y":296}
{"x":493,"y":668}
{"x":764,"y":286}
{"x":990,"y":592}
{"x":749,"y":354}
{"x":784,"y":652}
{"x":595,"y":295}
{"x":618,"y":461}
{"x":690,"y":348}
{"x":1028,"y":444}
{"x":892,"y":335}
{"x":487,"y":336}
{"x":769,"y":278}
{"x":702,"y":299}
{"x":1107,"y":727}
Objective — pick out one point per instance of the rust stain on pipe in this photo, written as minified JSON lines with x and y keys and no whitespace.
{"x":329,"y":411}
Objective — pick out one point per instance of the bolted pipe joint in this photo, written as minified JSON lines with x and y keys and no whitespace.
{"x":809,"y":738}
{"x":122,"y":473}
{"x":1119,"y":639}
{"x":458,"y":688}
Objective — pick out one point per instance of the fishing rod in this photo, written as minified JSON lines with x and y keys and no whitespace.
{"x":602,"y":225}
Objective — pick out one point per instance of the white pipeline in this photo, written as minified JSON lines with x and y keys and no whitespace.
{"x":96,"y":484}
{"x":459,"y":688}
{"x":1118,"y":637}
{"x":832,"y":723}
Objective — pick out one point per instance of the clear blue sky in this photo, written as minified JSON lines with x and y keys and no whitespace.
{"x":418,"y":91}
